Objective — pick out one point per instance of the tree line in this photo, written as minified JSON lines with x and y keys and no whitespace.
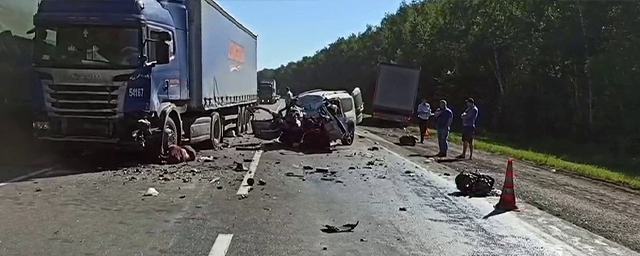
{"x":565,"y":69}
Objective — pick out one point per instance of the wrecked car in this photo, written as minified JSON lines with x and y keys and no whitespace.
{"x":310,"y":121}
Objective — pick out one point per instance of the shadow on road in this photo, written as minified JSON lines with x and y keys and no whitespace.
{"x":377,"y":123}
{"x":495,"y":212}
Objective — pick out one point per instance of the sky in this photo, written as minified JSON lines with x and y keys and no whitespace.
{"x":287,"y":29}
{"x":291,"y":29}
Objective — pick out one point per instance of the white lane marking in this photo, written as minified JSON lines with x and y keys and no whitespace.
{"x":244,"y":187}
{"x":389,"y":150}
{"x":24,"y":177}
{"x":221,"y":245}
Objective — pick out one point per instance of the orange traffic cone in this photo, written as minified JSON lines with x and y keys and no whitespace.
{"x":508,"y":196}
{"x":426,"y":132}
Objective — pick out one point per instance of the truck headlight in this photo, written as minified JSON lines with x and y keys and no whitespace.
{"x":41,"y":125}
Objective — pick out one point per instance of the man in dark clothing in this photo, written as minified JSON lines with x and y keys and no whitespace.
{"x":468,"y":128}
{"x":444,"y":117}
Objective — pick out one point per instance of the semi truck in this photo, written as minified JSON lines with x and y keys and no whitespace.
{"x":267,"y":92}
{"x":141,"y":74}
{"x":395,"y":92}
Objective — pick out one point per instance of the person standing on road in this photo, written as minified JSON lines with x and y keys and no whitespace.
{"x":424,"y":113}
{"x":288,"y":96}
{"x":468,"y":128}
{"x":444,"y":117}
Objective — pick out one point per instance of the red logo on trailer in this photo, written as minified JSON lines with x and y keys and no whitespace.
{"x":236,"y":52}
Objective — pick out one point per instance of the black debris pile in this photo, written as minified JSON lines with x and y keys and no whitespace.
{"x":408,"y":140}
{"x":349,"y":227}
{"x":474,"y":183}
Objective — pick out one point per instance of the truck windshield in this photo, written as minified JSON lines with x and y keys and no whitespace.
{"x":90,"y":47}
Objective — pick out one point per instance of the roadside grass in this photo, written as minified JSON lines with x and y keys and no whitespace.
{"x":615,"y":175}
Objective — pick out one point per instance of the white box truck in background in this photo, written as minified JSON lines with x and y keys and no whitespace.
{"x":395,"y":92}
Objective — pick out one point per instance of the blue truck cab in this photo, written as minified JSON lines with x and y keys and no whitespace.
{"x":141,"y":73}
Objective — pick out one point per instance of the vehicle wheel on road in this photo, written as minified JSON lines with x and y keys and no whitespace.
{"x":240,"y":129}
{"x":349,"y":137}
{"x":169,"y":135}
{"x":216,"y":132}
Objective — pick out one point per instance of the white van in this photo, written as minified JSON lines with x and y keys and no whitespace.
{"x":350,"y":104}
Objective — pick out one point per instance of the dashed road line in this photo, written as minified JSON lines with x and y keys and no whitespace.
{"x":245,"y":187}
{"x":221,"y":245}
{"x":24,"y":177}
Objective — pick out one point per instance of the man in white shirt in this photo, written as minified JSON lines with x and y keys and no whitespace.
{"x":288,"y":96}
{"x":424,"y":113}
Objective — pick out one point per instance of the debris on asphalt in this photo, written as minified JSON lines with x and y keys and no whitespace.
{"x":374,"y":148}
{"x":182,"y":197}
{"x":206,"y":159}
{"x":307,"y":167}
{"x":344,"y":228}
{"x":291,"y":174}
{"x":352,"y":167}
{"x":408,"y":140}
{"x":250,"y":181}
{"x":446,"y":174}
{"x":249,"y":148}
{"x":252,"y":144}
{"x":327,"y":178}
{"x":408,"y":171}
{"x":219,"y":187}
{"x":474,"y":183}
{"x":38,"y":189}
{"x":322,"y":170}
{"x":242,"y":197}
{"x":403,"y":209}
{"x":214,"y":180}
{"x":151,"y":192}
{"x":261,"y":182}
{"x":363,"y":239}
{"x":239,"y":167}
{"x":381,"y":177}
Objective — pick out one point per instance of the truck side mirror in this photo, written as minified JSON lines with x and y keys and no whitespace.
{"x":162,"y":53}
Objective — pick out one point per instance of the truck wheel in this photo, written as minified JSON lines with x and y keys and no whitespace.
{"x":216,"y":131}
{"x":240,"y":129}
{"x":169,"y":134}
{"x":350,"y":136}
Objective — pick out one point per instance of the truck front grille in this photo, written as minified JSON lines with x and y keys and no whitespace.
{"x":83,"y":101}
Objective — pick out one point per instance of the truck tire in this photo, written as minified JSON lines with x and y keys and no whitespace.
{"x":168,"y":137}
{"x":350,"y":136}
{"x":217,"y":131}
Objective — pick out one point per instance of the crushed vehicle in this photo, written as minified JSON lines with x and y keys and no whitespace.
{"x":310,"y":121}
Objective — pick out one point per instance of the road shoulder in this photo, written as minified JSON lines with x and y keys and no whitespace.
{"x":607,"y":210}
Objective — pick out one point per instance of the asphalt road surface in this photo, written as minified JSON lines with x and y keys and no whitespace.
{"x":95,"y":206}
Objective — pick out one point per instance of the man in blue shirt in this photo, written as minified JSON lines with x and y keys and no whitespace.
{"x":468,"y":128}
{"x":444,"y":117}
